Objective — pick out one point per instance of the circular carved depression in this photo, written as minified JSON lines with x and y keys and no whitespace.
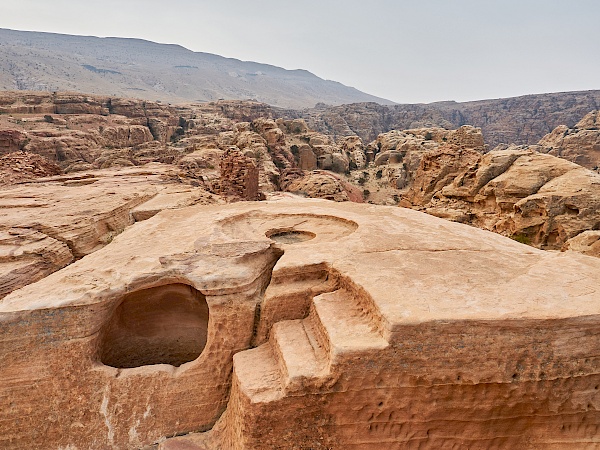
{"x":288,"y":228}
{"x":161,"y":325}
{"x":290,"y":236}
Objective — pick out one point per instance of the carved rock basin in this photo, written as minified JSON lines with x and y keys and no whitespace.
{"x":308,"y":324}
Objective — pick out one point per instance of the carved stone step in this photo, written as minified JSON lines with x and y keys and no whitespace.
{"x":343,"y":328}
{"x":258,"y":374}
{"x":301,"y":359}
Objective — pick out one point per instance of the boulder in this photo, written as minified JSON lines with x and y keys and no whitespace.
{"x":580,"y":144}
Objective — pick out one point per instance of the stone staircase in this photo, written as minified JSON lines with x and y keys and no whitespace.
{"x":299,"y":358}
{"x":289,"y":296}
{"x":301,"y":354}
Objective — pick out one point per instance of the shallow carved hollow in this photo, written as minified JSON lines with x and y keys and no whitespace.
{"x":161,"y":325}
{"x":289,"y":236}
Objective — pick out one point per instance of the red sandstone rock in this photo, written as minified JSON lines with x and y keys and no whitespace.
{"x":239,"y":177}
{"x":23,"y":166}
{"x":538,"y":199}
{"x":587,"y":243}
{"x":318,"y":185}
{"x":47,"y":222}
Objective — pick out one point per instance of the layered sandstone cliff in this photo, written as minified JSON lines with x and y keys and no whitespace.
{"x":46,"y":223}
{"x":519,"y":120}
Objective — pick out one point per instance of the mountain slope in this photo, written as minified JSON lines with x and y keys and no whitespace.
{"x":152,"y":71}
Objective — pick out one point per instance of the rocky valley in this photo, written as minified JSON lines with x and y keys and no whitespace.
{"x":232,"y":275}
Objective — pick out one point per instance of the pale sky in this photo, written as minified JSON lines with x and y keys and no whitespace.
{"x":406,"y":51}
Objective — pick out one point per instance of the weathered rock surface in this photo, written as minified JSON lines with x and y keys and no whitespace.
{"x":580,"y":144}
{"x":587,"y":243}
{"x":23,"y":166}
{"x":27,"y":255}
{"x":396,"y":156}
{"x":76,"y":129}
{"x":84,"y":132}
{"x":536,"y":198}
{"x":238,"y":176}
{"x":46,"y":223}
{"x":304,"y":324}
{"x":320,"y":185}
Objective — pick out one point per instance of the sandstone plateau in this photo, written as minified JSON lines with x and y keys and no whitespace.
{"x":304,"y":324}
{"x":44,"y":134}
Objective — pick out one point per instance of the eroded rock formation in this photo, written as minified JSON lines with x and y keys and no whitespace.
{"x":238,"y":176}
{"x":536,"y":198}
{"x":580,"y":144}
{"x":304,"y":324}
{"x":18,"y":167}
{"x":49,"y":222}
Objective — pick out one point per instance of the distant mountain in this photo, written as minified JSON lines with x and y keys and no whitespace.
{"x":519,"y":120}
{"x":152,"y":71}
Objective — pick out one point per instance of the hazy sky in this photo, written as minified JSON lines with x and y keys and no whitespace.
{"x":406,"y":51}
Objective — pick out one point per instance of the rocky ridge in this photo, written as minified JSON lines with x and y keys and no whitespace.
{"x":535,"y":198}
{"x":519,"y":120}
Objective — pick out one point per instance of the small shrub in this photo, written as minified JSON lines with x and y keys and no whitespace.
{"x":522,"y":238}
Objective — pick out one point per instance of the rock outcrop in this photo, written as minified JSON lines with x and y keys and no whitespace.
{"x":304,"y":324}
{"x":587,"y":243}
{"x":580,"y":144}
{"x":23,"y":166}
{"x":396,"y":156}
{"x":48,"y":222}
{"x":321,"y":184}
{"x":537,"y":199}
{"x":78,"y":131}
{"x":238,"y":176}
